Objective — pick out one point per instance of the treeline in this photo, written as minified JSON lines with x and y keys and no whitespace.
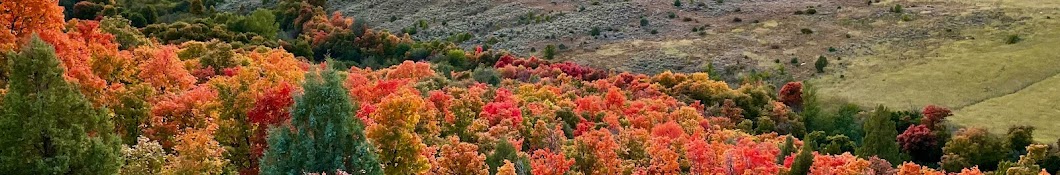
{"x":293,"y":90}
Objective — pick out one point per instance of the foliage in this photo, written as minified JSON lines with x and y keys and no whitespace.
{"x":50,"y":128}
{"x":973,"y":146}
{"x":322,"y":135}
{"x":145,"y":157}
{"x":820,"y":64}
{"x":880,"y":137}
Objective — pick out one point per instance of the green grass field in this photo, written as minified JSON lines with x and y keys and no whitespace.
{"x":987,"y":82}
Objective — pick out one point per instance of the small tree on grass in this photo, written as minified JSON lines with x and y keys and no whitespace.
{"x":820,"y":64}
{"x":550,"y":51}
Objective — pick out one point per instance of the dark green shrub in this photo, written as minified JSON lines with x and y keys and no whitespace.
{"x":550,"y":51}
{"x":595,"y":31}
{"x":820,"y":64}
{"x":677,"y":3}
{"x":806,"y":31}
{"x":643,"y":22}
{"x":1013,"y":39}
{"x":486,"y":75}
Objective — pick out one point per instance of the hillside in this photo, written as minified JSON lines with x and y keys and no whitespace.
{"x":777,"y":87}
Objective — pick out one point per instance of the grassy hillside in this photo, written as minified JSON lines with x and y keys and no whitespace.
{"x":992,"y":83}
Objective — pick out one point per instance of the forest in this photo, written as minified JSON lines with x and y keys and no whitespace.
{"x":176,"y":87}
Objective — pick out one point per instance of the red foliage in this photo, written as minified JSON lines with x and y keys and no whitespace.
{"x":791,"y":94}
{"x":163,"y":69}
{"x":917,"y":139}
{"x":503,"y":107}
{"x":175,"y":112}
{"x":933,"y":115}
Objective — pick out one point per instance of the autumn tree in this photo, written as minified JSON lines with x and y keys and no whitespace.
{"x":20,"y":18}
{"x":973,"y":146}
{"x":394,"y":135}
{"x":546,"y":162}
{"x":921,"y":143}
{"x":49,"y":127}
{"x":144,"y":157}
{"x":880,"y":136}
{"x":791,"y":95}
{"x":933,"y":116}
{"x":196,"y":152}
{"x":460,"y":158}
{"x":323,"y":135}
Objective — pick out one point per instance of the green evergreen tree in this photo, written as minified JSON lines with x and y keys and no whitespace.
{"x":880,"y":137}
{"x":323,"y":135}
{"x":803,"y":161}
{"x":48,"y":126}
{"x":786,"y":149}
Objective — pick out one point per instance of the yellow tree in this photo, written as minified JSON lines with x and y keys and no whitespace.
{"x":399,"y":147}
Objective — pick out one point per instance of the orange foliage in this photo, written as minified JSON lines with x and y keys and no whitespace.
{"x":20,"y":18}
{"x":163,"y":70}
{"x":546,"y":162}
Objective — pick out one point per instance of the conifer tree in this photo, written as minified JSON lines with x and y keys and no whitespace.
{"x":880,"y":137}
{"x":48,"y":126}
{"x":322,"y":136}
{"x":803,"y":161}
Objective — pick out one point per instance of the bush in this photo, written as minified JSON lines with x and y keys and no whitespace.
{"x":1013,"y":39}
{"x":806,"y":31}
{"x":643,"y":22}
{"x":897,"y":8}
{"x":671,"y":15}
{"x":795,"y":61}
{"x":677,"y":3}
{"x":595,"y":31}
{"x":486,"y":75}
{"x":261,"y":22}
{"x":820,"y":64}
{"x":550,"y":51}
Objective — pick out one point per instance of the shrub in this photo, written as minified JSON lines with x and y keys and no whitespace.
{"x":671,"y":15}
{"x":1013,"y":39}
{"x":820,"y":64}
{"x":795,"y":61}
{"x":811,"y":11}
{"x":677,"y":3}
{"x":486,"y":75}
{"x":595,"y":31}
{"x":643,"y":22}
{"x":806,"y":31}
{"x":653,"y":31}
{"x":897,"y":8}
{"x":550,"y":51}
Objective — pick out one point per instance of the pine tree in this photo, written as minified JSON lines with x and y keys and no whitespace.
{"x":880,"y":137}
{"x":786,"y":149}
{"x":803,"y":161}
{"x":48,"y":126}
{"x":322,"y":136}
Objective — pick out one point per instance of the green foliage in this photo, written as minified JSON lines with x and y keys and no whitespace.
{"x":677,"y":3}
{"x":1013,"y":39}
{"x":1019,"y":137}
{"x":838,"y":144}
{"x":48,"y":126}
{"x":880,"y":137}
{"x":803,"y":161}
{"x":973,"y":146}
{"x":671,"y":15}
{"x":820,"y":64}
{"x":765,"y":125}
{"x":595,"y":31}
{"x":323,"y":135}
{"x":786,"y":149}
{"x":124,"y":33}
{"x":643,"y":22}
{"x":261,"y":22}
{"x":806,"y":31}
{"x":504,"y":150}
{"x":897,"y":8}
{"x":486,"y":75}
{"x":550,"y":52}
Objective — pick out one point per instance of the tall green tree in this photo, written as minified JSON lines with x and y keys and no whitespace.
{"x":48,"y":126}
{"x":803,"y":161}
{"x":880,"y":137}
{"x":323,"y":135}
